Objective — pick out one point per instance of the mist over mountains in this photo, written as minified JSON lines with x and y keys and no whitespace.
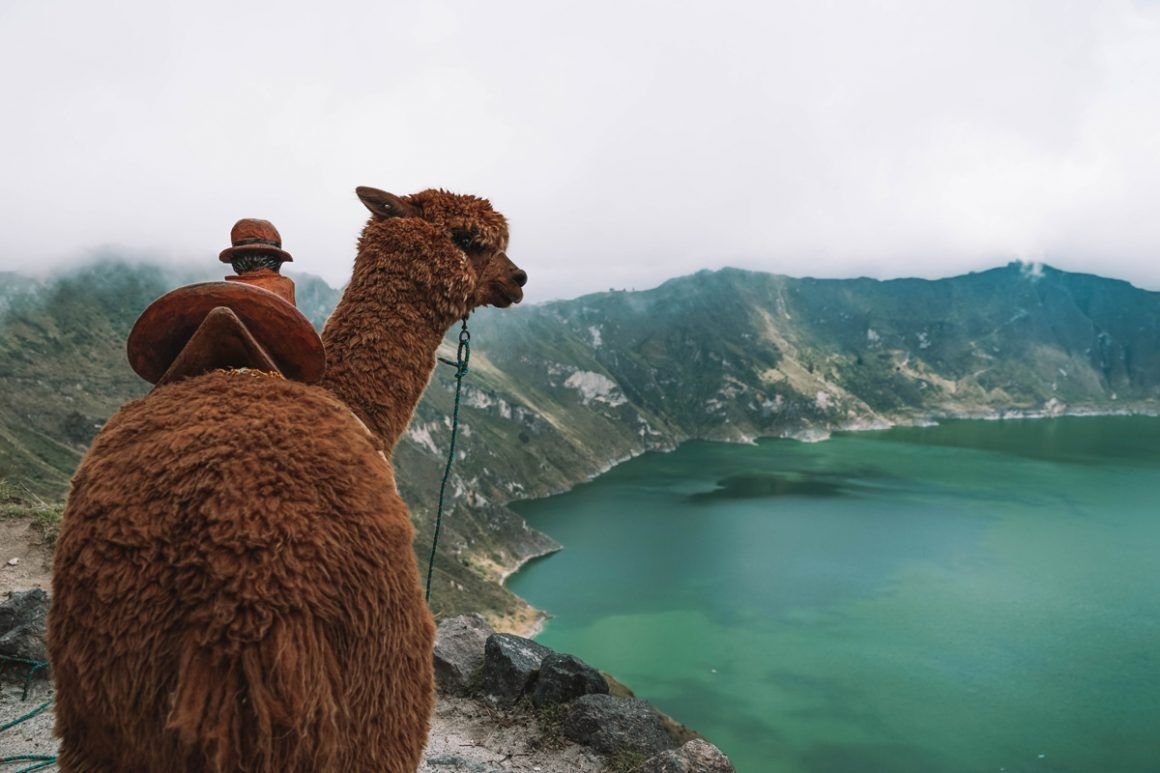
{"x":561,"y":391}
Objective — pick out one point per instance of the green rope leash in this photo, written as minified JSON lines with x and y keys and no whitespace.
{"x":462,"y":355}
{"x":41,"y":761}
{"x":36,"y":666}
{"x":26,"y":717}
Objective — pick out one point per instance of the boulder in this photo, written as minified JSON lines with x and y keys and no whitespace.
{"x":610,"y":725}
{"x":566,"y":677}
{"x":510,"y":666}
{"x":459,"y":644}
{"x":22,"y":625}
{"x":696,"y":756}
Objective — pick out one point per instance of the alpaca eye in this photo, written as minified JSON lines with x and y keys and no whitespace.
{"x":464,"y":242}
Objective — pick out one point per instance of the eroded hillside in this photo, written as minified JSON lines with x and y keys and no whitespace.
{"x":561,"y":391}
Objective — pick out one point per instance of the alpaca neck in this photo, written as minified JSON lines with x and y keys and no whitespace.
{"x":380,"y":349}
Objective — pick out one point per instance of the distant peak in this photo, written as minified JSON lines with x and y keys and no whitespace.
{"x":1033,"y":270}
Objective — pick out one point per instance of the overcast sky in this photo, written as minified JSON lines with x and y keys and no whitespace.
{"x":627,"y":142}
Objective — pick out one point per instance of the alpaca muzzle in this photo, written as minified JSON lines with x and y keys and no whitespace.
{"x":502,"y":283}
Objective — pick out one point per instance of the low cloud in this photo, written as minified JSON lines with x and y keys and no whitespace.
{"x":626,"y":142}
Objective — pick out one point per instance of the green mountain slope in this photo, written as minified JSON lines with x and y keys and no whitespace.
{"x":561,"y":391}
{"x":63,"y":369}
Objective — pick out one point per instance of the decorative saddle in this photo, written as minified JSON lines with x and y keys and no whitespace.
{"x":249,"y":321}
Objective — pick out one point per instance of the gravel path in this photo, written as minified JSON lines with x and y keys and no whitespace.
{"x":33,"y":736}
{"x":466,"y":737}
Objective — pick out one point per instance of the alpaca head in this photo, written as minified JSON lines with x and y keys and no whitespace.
{"x":468,"y":227}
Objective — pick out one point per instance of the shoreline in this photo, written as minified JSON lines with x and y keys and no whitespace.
{"x":931,"y":419}
{"x":817,"y":435}
{"x":529,"y":630}
{"x":527,"y":559}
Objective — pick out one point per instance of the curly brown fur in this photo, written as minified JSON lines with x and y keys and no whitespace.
{"x":233,"y":592}
{"x":424,"y":261}
{"x":234,"y":587}
{"x":463,"y":214}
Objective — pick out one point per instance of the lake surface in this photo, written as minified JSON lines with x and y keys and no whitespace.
{"x":976,"y":596}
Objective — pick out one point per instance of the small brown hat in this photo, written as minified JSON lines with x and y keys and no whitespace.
{"x":251,"y":236}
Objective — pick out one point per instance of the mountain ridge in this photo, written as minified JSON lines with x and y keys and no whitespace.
{"x":562,"y":390}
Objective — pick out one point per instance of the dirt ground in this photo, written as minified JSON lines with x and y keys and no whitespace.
{"x":20,"y":540}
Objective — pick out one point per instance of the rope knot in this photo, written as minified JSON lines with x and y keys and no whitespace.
{"x":462,"y":354}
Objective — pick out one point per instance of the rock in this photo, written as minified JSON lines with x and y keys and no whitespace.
{"x":459,"y":644}
{"x":566,"y":677}
{"x":510,"y":664}
{"x":22,"y":625}
{"x":456,"y":762}
{"x":696,"y":756}
{"x":13,"y":561}
{"x":610,"y":725}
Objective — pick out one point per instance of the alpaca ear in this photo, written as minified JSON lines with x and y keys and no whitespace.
{"x":384,"y":204}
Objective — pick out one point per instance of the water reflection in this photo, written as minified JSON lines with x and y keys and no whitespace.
{"x":777,"y":484}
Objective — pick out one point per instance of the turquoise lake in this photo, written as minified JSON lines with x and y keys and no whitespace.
{"x":974,"y":596}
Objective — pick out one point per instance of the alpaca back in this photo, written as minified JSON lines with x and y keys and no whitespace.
{"x":235,"y":589}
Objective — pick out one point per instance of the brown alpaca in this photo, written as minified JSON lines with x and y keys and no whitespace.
{"x":234,"y":585}
{"x":381,"y":340}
